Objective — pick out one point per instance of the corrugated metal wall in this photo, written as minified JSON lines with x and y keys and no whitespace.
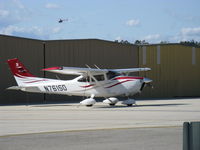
{"x":175,"y":70}
{"x":104,"y":54}
{"x":78,"y":53}
{"x":30,"y":52}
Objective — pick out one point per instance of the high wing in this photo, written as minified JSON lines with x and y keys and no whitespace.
{"x":129,"y":70}
{"x":92,"y":71}
{"x":75,"y":70}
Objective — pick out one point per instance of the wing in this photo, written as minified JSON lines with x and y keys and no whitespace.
{"x":75,"y":70}
{"x":129,"y":70}
{"x":92,"y":71}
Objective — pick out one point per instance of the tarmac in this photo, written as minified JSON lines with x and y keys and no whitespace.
{"x":73,"y":126}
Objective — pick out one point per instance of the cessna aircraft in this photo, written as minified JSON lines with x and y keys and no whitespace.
{"x":91,"y":83}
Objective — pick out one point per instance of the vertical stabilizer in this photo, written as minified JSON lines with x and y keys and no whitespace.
{"x":18,"y":69}
{"x":21,"y":74}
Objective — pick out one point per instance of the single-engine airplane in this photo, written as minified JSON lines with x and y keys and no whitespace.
{"x":91,"y":83}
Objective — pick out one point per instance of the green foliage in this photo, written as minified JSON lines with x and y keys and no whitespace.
{"x":164,"y":42}
{"x":140,"y":42}
{"x":123,"y":42}
{"x":190,"y":43}
{"x":143,"y":42}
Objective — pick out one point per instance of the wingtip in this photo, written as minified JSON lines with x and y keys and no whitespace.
{"x":51,"y":68}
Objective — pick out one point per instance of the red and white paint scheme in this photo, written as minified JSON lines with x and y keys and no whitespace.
{"x":91,"y":82}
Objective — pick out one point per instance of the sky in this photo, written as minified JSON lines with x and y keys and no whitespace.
{"x":150,"y":20}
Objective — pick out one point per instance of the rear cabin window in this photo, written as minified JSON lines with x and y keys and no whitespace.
{"x":99,"y":77}
{"x":86,"y":79}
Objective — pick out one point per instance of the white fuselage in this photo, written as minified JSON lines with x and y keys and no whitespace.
{"x":120,"y":85}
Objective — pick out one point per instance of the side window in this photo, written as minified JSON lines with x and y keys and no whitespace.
{"x":111,"y":74}
{"x":99,"y":77}
{"x":84,"y":79}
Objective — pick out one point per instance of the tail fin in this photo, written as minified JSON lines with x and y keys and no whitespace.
{"x":18,"y":69}
{"x":21,"y":74}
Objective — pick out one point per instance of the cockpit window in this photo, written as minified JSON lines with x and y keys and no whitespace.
{"x":111,"y":74}
{"x":99,"y":77}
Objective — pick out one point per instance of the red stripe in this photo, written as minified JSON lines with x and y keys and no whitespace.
{"x":20,"y":76}
{"x":35,"y":81}
{"x":86,"y":86}
{"x":118,"y":78}
{"x":18,"y":69}
{"x":118,"y":83}
{"x":52,"y":68}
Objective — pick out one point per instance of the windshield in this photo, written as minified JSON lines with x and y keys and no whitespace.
{"x":111,"y":74}
{"x":99,"y":77}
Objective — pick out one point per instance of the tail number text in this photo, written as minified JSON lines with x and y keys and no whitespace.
{"x":55,"y":88}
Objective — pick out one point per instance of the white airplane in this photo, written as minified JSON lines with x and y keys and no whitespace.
{"x":91,"y":83}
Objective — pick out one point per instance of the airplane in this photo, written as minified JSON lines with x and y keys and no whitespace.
{"x":62,"y":20}
{"x":90,"y":83}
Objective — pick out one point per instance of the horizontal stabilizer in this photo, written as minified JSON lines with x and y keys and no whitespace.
{"x":26,"y":89}
{"x":14,"y":88}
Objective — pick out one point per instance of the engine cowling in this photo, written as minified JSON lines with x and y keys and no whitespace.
{"x":129,"y":102}
{"x":88,"y":102}
{"x":111,"y":101}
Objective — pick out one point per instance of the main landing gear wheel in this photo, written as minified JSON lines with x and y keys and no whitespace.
{"x":129,"y":105}
{"x":111,"y":101}
{"x":89,"y":102}
{"x":89,"y":105}
{"x":112,"y":104}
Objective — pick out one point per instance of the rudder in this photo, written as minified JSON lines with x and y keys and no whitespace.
{"x":19,"y":71}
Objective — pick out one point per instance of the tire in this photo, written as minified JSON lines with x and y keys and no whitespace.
{"x":112,"y":104}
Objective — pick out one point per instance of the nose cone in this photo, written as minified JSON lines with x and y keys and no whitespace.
{"x":147,"y":80}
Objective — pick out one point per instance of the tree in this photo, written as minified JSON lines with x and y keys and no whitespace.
{"x":139,"y":42}
{"x":164,"y":42}
{"x":190,"y":43}
{"x":123,"y":42}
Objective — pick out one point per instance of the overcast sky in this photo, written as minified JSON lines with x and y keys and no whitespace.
{"x":150,"y":20}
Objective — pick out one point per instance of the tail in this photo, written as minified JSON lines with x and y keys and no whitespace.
{"x":21,"y":74}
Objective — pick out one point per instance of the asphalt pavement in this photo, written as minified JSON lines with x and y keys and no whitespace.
{"x":151,"y":124}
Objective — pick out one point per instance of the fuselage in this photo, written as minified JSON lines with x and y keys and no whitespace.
{"x":117,"y":86}
{"x":91,"y":82}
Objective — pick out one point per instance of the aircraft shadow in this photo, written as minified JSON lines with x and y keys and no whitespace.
{"x":145,"y":105}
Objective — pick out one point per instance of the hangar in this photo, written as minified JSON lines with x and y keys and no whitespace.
{"x":175,"y":68}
